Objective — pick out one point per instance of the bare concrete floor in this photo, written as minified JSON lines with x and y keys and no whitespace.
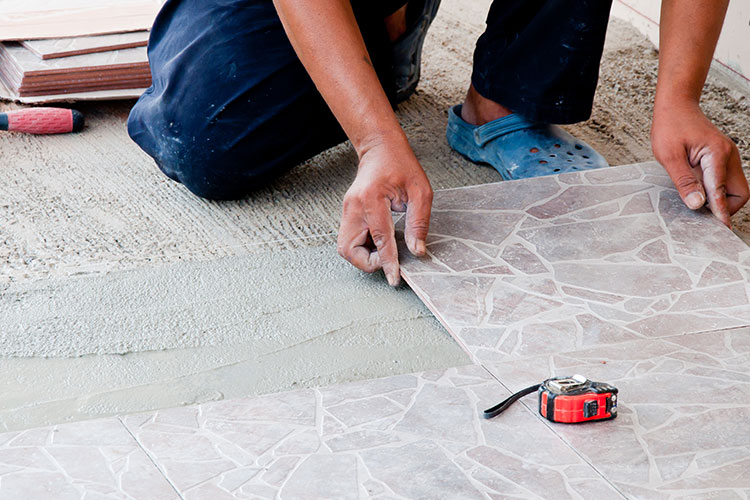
{"x":122,"y":292}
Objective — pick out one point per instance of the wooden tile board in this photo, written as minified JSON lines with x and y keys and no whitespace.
{"x":35,"y":19}
{"x":98,"y":95}
{"x":53,"y":48}
{"x":27,"y":75}
{"x":32,"y":65}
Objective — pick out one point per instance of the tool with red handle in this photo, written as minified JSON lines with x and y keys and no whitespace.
{"x":42,"y":120}
{"x":568,"y":400}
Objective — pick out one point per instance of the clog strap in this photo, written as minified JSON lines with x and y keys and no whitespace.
{"x":502,"y":126}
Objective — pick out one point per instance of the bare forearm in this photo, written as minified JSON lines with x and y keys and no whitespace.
{"x":325,"y":35}
{"x":688,"y":35}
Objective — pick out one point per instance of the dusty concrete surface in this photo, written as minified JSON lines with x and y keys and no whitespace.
{"x":271,"y":300}
{"x":112,"y":274}
{"x":256,"y":326}
{"x":185,"y":332}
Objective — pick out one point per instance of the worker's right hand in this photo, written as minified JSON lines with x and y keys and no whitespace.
{"x":389,"y":177}
{"x":704,"y":164}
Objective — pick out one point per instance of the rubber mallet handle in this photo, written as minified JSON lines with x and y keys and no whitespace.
{"x":42,"y":121}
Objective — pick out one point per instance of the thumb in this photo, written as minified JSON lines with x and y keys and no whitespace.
{"x":687,"y":183}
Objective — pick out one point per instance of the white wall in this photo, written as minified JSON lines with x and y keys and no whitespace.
{"x":733,"y":50}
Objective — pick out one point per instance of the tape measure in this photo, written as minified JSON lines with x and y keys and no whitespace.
{"x":568,"y":400}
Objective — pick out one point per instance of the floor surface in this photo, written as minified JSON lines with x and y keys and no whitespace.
{"x":416,"y":436}
{"x":87,"y":220}
{"x":604,"y":273}
{"x":607,"y":274}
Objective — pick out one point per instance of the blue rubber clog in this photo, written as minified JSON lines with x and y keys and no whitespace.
{"x":519,"y":148}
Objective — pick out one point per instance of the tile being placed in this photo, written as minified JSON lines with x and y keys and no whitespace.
{"x":684,"y":406}
{"x":417,"y":436}
{"x":93,"y":460}
{"x":565,"y":262}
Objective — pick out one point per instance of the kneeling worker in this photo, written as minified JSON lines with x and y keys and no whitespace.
{"x":243,"y":90}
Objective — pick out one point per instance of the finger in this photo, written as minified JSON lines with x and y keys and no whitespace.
{"x":418,"y":222}
{"x":380,"y":222}
{"x":738,"y":191}
{"x":353,"y":245}
{"x":364,"y":259}
{"x":687,"y":184}
{"x":714,"y":167}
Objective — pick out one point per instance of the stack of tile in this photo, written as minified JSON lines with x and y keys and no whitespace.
{"x":74,"y":52}
{"x":28,"y":75}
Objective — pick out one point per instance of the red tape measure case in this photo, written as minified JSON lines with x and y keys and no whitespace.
{"x":568,"y":400}
{"x":576,"y":399}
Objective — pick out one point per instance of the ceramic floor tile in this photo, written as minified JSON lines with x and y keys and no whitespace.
{"x":416,"y":436}
{"x":578,"y":260}
{"x":85,"y":460}
{"x":684,"y":406}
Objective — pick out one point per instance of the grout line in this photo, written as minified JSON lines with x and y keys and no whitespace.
{"x":151,"y":459}
{"x":702,"y":332}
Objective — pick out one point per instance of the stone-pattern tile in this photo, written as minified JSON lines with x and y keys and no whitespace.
{"x":578,"y":260}
{"x":94,"y":460}
{"x":416,"y":436}
{"x":682,"y":429}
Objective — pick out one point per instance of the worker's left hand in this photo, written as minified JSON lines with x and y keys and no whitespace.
{"x":704,"y":164}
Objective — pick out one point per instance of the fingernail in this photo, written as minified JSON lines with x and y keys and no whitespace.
{"x":393,"y":280}
{"x":411,"y":244}
{"x":421,"y":248}
{"x":695,"y":200}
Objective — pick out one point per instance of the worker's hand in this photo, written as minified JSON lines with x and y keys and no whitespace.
{"x":389,"y":178}
{"x":704,"y":164}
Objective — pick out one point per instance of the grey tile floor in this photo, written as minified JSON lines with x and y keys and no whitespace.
{"x":576,"y":261}
{"x":682,"y":430}
{"x":607,"y":274}
{"x":402,"y":437}
{"x":602,"y":273}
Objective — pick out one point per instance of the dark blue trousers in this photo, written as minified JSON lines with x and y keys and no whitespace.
{"x":231,"y":107}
